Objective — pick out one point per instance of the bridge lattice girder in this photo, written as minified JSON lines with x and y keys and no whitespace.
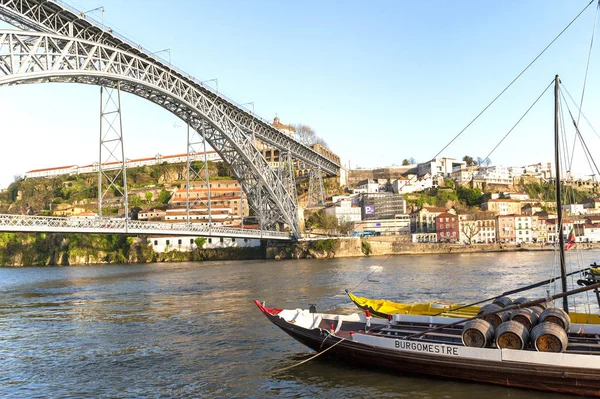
{"x":32,"y":57}
{"x":49,"y":16}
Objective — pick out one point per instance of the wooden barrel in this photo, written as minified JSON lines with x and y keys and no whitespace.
{"x":494,"y":319}
{"x":549,"y":337}
{"x":512,"y":335}
{"x":521,"y":300}
{"x":477,"y":333}
{"x":503,"y":301}
{"x":526,"y":316}
{"x":556,"y":316}
{"x":536,"y":311}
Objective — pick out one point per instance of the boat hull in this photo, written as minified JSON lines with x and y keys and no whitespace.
{"x":538,"y":377}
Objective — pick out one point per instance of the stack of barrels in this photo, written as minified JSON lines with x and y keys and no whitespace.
{"x":540,"y":327}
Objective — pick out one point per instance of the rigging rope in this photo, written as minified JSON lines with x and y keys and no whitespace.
{"x":513,"y":81}
{"x":310,"y":358}
{"x":511,"y":129}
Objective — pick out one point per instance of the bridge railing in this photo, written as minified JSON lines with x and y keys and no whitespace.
{"x":57,"y":223}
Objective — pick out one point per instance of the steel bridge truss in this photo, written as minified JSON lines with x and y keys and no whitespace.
{"x":32,"y":57}
{"x":36,"y":224}
{"x":196,"y":172}
{"x":53,"y":16}
{"x":112,"y":149}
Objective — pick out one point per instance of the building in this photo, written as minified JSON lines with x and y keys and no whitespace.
{"x":223,"y":194}
{"x":439,"y":167}
{"x":505,"y":229}
{"x":502,"y":206}
{"x":152,"y":214}
{"x":526,"y":228}
{"x":397,"y":225}
{"x":423,"y":220}
{"x":187,"y":244}
{"x":368,"y":186}
{"x":382,"y":205}
{"x":447,"y":227}
{"x":344,"y":211}
{"x":477,"y":228}
{"x":158,"y":159}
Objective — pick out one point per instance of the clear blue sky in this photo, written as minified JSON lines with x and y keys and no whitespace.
{"x":379,"y":81}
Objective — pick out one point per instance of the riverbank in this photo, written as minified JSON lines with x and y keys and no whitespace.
{"x":377,"y":246}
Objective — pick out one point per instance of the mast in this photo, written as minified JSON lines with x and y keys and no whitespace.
{"x":561,"y":239}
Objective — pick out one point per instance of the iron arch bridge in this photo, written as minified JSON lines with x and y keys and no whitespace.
{"x":61,"y":44}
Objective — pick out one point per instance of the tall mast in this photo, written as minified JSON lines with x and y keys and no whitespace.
{"x":559,"y":228}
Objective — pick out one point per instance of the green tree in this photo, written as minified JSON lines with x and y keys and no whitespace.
{"x":470,"y":196}
{"x":149,"y":196}
{"x":200,"y":241}
{"x":405,"y":162}
{"x":469,"y":160}
{"x":164,"y":196}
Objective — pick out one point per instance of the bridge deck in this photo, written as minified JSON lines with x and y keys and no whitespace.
{"x":53,"y":224}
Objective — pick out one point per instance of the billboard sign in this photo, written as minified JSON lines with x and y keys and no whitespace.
{"x":369,"y":209}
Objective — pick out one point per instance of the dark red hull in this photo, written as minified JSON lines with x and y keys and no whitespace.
{"x":538,"y":377}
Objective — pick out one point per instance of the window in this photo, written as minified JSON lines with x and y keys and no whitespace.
{"x":168,"y":242}
{"x":210,"y":240}
{"x":179,"y":241}
{"x":221,"y":239}
{"x":191,"y":240}
{"x":155,"y":242}
{"x":233,"y":239}
{"x":245,"y":240}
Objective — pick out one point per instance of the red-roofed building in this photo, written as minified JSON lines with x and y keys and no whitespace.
{"x":447,"y":227}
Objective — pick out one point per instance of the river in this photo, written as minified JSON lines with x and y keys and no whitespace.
{"x":191,"y":330}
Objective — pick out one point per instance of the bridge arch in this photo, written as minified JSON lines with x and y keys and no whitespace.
{"x":34,"y":57}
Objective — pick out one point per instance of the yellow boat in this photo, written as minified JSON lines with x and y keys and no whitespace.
{"x":382,"y":308}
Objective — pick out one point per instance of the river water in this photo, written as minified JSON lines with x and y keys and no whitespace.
{"x":191,"y":330}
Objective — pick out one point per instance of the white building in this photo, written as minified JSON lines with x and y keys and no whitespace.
{"x":344,"y":211}
{"x":187,"y":244}
{"x":399,"y":225}
{"x":129,"y":163}
{"x":591,"y":233}
{"x":439,"y":167}
{"x":368,"y":186}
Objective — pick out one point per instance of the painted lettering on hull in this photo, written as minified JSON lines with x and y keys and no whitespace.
{"x":426,"y":347}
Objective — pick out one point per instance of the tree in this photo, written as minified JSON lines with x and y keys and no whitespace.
{"x":164,"y":196}
{"x":470,"y":196}
{"x":469,"y":160}
{"x":149,"y":196}
{"x":405,"y":162}
{"x":305,"y":134}
{"x":200,"y":241}
{"x":412,"y":161}
{"x":470,"y":228}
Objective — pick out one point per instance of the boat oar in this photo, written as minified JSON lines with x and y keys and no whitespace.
{"x":506,"y":309}
{"x":515,"y":291}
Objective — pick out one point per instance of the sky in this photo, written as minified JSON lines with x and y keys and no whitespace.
{"x":378,"y":81}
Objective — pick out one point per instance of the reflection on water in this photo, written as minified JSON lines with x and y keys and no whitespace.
{"x":191,"y":329}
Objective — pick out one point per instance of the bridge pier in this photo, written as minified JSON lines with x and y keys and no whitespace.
{"x":111,"y":149}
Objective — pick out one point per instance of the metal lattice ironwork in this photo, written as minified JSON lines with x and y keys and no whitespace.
{"x":316,"y":192}
{"x":112,"y":150}
{"x":285,"y":172}
{"x":55,"y":17}
{"x":54,"y":224}
{"x":197,"y":173}
{"x":31,"y":57}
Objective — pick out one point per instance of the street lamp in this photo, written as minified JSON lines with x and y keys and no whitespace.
{"x":167,"y":50}
{"x":212,"y":80}
{"x":101,"y":8}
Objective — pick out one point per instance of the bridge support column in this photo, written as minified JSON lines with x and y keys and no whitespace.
{"x":197,"y":172}
{"x":316,"y":192}
{"x":112,"y":150}
{"x":286,"y":173}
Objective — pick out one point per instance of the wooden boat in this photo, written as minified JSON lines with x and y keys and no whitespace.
{"x":535,"y":349}
{"x":383,"y":308}
{"x":392,"y":346}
